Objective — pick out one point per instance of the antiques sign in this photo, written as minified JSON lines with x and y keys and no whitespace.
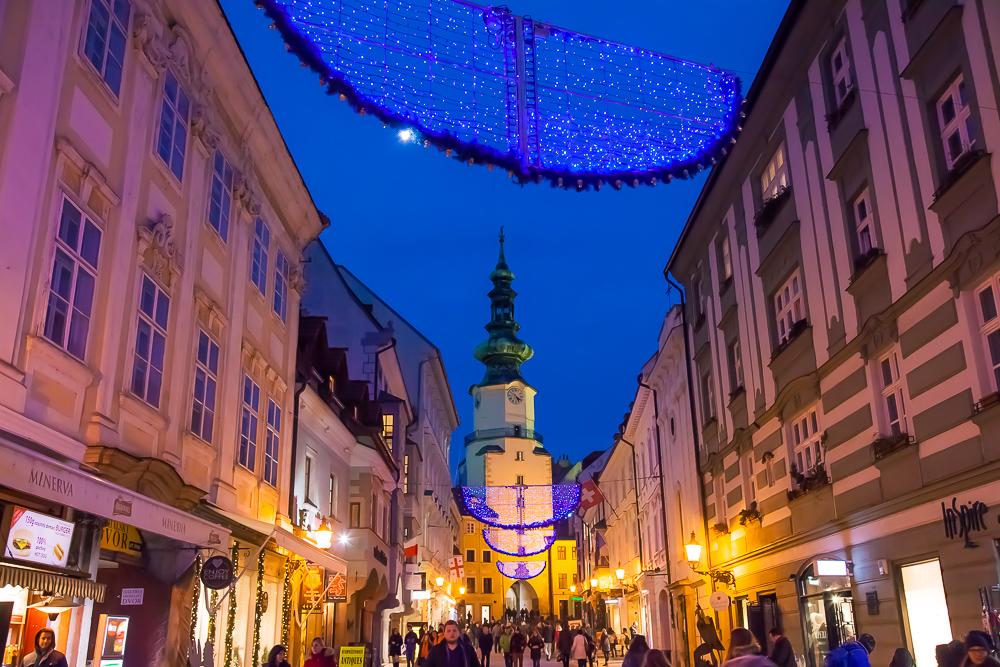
{"x":960,"y":521}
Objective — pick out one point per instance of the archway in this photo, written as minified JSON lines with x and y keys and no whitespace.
{"x":520,"y":596}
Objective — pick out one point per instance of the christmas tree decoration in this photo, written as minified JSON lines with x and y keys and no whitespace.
{"x":519,"y":541}
{"x":542,"y":102}
{"x":231,"y":615}
{"x":521,"y":506}
{"x":258,"y":609}
{"x":521,"y":569}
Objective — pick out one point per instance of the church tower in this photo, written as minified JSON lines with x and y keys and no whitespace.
{"x":504,"y":448}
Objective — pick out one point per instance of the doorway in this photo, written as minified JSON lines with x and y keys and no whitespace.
{"x":520,"y":596}
{"x":926,"y":609}
{"x":827,"y":605}
{"x":486,"y":615}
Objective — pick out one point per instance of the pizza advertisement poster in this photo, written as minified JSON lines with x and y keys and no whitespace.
{"x":38,"y":538}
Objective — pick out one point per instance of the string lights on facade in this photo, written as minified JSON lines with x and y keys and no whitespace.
{"x":521,"y":506}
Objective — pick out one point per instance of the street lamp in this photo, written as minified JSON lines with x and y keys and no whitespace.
{"x":693,"y":551}
{"x":461,"y":590}
{"x":439,"y":581}
{"x":593,"y":583}
{"x":620,"y":573}
{"x":323,"y":536}
{"x":572,"y":588}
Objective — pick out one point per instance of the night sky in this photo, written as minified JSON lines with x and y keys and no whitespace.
{"x":420,"y":229}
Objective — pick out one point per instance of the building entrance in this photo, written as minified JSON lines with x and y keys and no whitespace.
{"x":521,"y":596}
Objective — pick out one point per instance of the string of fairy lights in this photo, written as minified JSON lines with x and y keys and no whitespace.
{"x":487,"y":86}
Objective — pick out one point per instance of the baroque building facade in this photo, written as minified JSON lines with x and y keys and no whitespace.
{"x":840,"y":270}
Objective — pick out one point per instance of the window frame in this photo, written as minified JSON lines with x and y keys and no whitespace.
{"x":805,"y":439}
{"x":79,"y":263}
{"x":156,"y":328}
{"x":891,"y":390}
{"x":260,"y":254}
{"x":174,"y":106}
{"x":774,"y":177}
{"x":354,"y":515}
{"x":734,"y":360}
{"x":470,"y":555}
{"x":282,"y":272}
{"x":865,"y":224}
{"x":272,"y":443}
{"x":246,"y":451}
{"x":211,"y":378}
{"x":113,"y":21}
{"x":487,"y":556}
{"x":707,"y":397}
{"x":332,"y":491}
{"x":725,"y":258}
{"x":470,"y":585}
{"x":487,"y":585}
{"x":960,"y":123}
{"x":842,"y":74}
{"x":990,"y":328}
{"x":788,"y":306}
{"x":225,"y":205}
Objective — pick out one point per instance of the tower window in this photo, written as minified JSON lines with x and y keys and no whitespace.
{"x":519,"y":456}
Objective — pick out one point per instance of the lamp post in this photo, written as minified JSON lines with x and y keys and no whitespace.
{"x":693,"y":552}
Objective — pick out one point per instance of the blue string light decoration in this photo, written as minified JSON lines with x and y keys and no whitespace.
{"x":487,"y":86}
{"x":521,"y":506}
{"x":521,"y":569}
{"x":519,"y":541}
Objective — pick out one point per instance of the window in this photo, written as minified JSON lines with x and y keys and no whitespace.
{"x":561,"y":553}
{"x":707,"y":397}
{"x":248,"y":429}
{"x":373,"y":521}
{"x":355,"y":518}
{"x":788,"y":308}
{"x":956,"y":122}
{"x":487,"y":556}
{"x":735,"y":365}
{"x":107,"y":33}
{"x":774,"y":178}
{"x":840,"y":72}
{"x":572,"y":554}
{"x":892,"y":394}
{"x":220,"y":200}
{"x":470,"y":528}
{"x":175,"y":112}
{"x":388,"y":428}
{"x":725,"y":257}
{"x":520,"y":480}
{"x":990,"y":327}
{"x":406,"y":474}
{"x":74,"y":276}
{"x":563,"y":581}
{"x":470,"y":584}
{"x":331,"y":503}
{"x":863,"y":223}
{"x":519,"y":456}
{"x":258,"y":261}
{"x":699,"y":307}
{"x":272,"y":442}
{"x":487,"y":584}
{"x":206,"y":371}
{"x":281,"y":286}
{"x":470,"y":555}
{"x":150,"y":342}
{"x":807,"y":450}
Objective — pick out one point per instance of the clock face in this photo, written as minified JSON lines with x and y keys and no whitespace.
{"x":515,"y":395}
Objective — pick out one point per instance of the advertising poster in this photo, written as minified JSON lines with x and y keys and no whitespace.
{"x":336,"y":587}
{"x":38,"y":538}
{"x":313,"y":589}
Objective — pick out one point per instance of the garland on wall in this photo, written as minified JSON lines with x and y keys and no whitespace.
{"x":195,"y":599}
{"x":258,"y":609}
{"x":213,"y":603}
{"x":231,"y":616}
{"x":286,"y":603}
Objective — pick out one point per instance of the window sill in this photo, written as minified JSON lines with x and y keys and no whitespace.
{"x":834,"y":117}
{"x":56,"y":358}
{"x":964,"y":165}
{"x":987,"y":409}
{"x":798,"y":329}
{"x":807,"y":483}
{"x":114,"y":99}
{"x":885,"y":446}
{"x":152,"y":416}
{"x":863,"y":267}
{"x":769,"y":209}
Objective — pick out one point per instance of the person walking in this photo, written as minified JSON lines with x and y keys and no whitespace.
{"x":782,"y":654}
{"x":276,"y":657}
{"x":45,"y":653}
{"x":901,"y":657}
{"x":656,"y":658}
{"x":395,"y":647}
{"x":579,"y":650}
{"x":637,"y":649}
{"x":426,"y":644}
{"x":605,"y":646}
{"x":952,"y":654}
{"x":977,"y":650}
{"x":410,"y":641}
{"x":564,"y":645}
{"x":497,"y":630}
{"x":453,"y":650}
{"x":505,"y":639}
{"x":536,"y":644}
{"x":853,"y":653}
{"x":486,"y":645}
{"x":518,"y":642}
{"x":744,"y":651}
{"x":624,"y":640}
{"x":613,"y":640}
{"x":548,"y":634}
{"x":320,"y":655}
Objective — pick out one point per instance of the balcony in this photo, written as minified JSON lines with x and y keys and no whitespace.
{"x":884,"y":446}
{"x":508,"y":432}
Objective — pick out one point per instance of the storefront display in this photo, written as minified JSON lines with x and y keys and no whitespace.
{"x":827,"y":608}
{"x":112,"y":633}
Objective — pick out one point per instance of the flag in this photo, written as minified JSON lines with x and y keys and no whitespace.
{"x":411,"y":549}
{"x":456,"y":566}
{"x":590,"y":495}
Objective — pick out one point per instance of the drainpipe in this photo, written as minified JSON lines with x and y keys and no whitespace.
{"x":635,"y":487}
{"x":659,"y":465}
{"x":299,"y":388}
{"x":694,"y":418}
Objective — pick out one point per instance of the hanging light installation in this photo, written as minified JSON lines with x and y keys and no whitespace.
{"x":519,"y":541}
{"x":521,"y":569}
{"x":487,"y":86}
{"x":521,"y":506}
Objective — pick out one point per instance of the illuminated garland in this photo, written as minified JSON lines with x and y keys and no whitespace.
{"x":231,"y":616}
{"x":258,"y":609}
{"x":521,"y":569}
{"x":521,"y":506}
{"x":286,"y":604}
{"x":195,"y":599}
{"x":213,"y":603}
{"x":519,"y":541}
{"x":487,"y":86}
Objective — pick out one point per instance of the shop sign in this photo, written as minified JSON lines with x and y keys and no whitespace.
{"x":217,"y":572}
{"x":313,"y":589}
{"x":719,"y":601}
{"x":121,"y":538}
{"x":38,"y":538}
{"x":132,"y":597}
{"x":122,"y":507}
{"x":420,"y":595}
{"x":352,"y":656}
{"x":336,"y":587}
{"x":960,"y":521}
{"x":832,"y":568}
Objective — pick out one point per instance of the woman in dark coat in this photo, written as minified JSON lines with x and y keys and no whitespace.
{"x":637,"y":649}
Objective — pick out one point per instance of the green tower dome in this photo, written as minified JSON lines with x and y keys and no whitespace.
{"x":503,"y":352}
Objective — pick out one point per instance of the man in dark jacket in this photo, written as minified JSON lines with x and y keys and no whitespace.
{"x":564,"y":645}
{"x":45,"y":653}
{"x":486,"y":644}
{"x":453,"y":651}
{"x":782,"y":654}
{"x":853,"y":653}
{"x":518,"y":642}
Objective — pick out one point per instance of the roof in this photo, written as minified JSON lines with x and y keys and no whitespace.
{"x":767,"y":64}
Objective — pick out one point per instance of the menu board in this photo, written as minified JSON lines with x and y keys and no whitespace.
{"x":38,"y":538}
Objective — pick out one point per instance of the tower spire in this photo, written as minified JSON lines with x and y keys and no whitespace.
{"x":503,"y":352}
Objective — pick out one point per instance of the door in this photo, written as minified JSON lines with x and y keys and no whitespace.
{"x":563,"y":610}
{"x":925,"y":608}
{"x":486,"y":615}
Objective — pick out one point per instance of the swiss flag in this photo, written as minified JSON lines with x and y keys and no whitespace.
{"x":590,"y":495}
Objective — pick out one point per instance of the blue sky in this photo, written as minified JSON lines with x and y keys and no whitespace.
{"x":420,"y":229}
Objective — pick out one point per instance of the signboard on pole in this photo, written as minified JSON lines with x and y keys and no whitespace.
{"x":336,"y":587}
{"x":313,"y":590}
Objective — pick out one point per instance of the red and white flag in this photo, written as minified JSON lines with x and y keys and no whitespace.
{"x":456,"y":566}
{"x":411,"y":549}
{"x":590,"y":495}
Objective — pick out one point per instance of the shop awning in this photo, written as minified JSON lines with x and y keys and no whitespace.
{"x":39,"y":475}
{"x":50,"y":582}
